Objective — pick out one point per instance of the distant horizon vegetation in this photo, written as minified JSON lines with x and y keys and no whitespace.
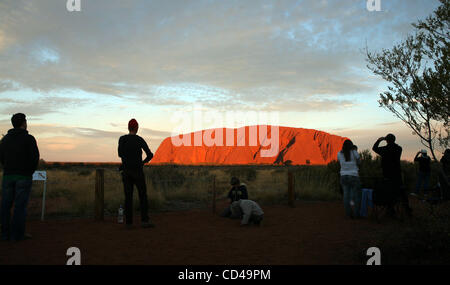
{"x":117,"y":162}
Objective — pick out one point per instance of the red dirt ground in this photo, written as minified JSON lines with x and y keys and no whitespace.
{"x":311,"y":233}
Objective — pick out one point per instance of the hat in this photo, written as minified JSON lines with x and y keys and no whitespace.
{"x":424,"y":151}
{"x":133,"y":124}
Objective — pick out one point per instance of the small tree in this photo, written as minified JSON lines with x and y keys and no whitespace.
{"x":417,"y":70}
{"x":437,"y":81}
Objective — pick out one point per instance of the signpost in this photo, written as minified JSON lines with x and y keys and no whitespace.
{"x":41,"y":176}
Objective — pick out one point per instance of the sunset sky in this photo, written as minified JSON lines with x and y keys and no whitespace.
{"x":80,"y":76}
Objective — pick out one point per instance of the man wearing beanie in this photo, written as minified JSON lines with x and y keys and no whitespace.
{"x":130,"y":151}
{"x":19,"y":156}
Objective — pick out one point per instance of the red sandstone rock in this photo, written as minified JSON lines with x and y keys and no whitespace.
{"x":296,"y":146}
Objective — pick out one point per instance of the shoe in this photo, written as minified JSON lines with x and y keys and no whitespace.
{"x":146,"y":225}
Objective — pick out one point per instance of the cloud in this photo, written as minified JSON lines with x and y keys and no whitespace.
{"x":58,"y":144}
{"x":4,"y":40}
{"x":123,"y":59}
{"x":365,"y":138}
{"x":155,"y":133}
{"x":39,"y":106}
{"x":45,"y":129}
{"x":304,"y":47}
{"x":62,"y":143}
{"x":94,"y":133}
{"x":6,"y":85}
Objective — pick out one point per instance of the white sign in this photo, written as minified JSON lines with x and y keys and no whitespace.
{"x":373,"y":5}
{"x":40,"y":175}
{"x":73,"y":5}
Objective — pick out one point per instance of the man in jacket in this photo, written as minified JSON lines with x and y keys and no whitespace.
{"x":392,"y":172}
{"x":19,"y":156}
{"x":130,"y":151}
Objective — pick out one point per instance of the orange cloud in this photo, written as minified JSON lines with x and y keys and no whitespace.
{"x":58,"y":143}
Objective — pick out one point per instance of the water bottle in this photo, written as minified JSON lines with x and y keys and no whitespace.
{"x":120,"y":217}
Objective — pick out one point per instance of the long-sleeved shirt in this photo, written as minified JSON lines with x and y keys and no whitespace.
{"x":349,"y":167}
{"x":248,"y":208}
{"x":19,"y":153}
{"x":130,"y":151}
{"x":445,"y":161}
{"x":424,"y":163}
{"x":390,"y":160}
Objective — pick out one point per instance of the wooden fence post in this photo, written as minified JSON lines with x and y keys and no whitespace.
{"x":291,"y":189}
{"x":99,"y":194}
{"x":214,"y":195}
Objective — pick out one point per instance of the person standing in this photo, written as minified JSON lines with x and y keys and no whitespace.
{"x":444,"y":175}
{"x":424,"y":173}
{"x":349,"y":160}
{"x":19,"y":155}
{"x":445,"y":162}
{"x":392,"y":172}
{"x":130,"y":151}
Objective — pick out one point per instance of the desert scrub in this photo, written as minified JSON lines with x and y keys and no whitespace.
{"x":421,"y":240}
{"x":316,"y":183}
{"x":70,"y":189}
{"x":247,"y":173}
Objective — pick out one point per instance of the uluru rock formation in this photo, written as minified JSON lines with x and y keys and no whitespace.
{"x":250,"y":145}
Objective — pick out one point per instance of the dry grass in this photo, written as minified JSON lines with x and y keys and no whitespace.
{"x":70,"y":189}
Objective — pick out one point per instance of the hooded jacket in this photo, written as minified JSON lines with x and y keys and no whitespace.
{"x":19,"y":153}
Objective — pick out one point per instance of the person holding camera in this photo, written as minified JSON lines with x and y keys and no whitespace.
{"x":423,"y":175}
{"x":392,"y":171}
{"x":349,"y":161}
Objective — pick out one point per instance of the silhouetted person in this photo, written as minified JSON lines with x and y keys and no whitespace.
{"x":424,"y":173}
{"x":444,"y":175}
{"x":19,"y":156}
{"x":349,"y":160}
{"x":237,"y":192}
{"x":445,"y":162}
{"x":392,"y":172}
{"x":130,"y":151}
{"x":249,"y":210}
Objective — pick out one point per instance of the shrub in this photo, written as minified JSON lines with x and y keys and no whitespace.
{"x":422,"y":240}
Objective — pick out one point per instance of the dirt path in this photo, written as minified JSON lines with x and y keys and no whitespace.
{"x":311,"y":233}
